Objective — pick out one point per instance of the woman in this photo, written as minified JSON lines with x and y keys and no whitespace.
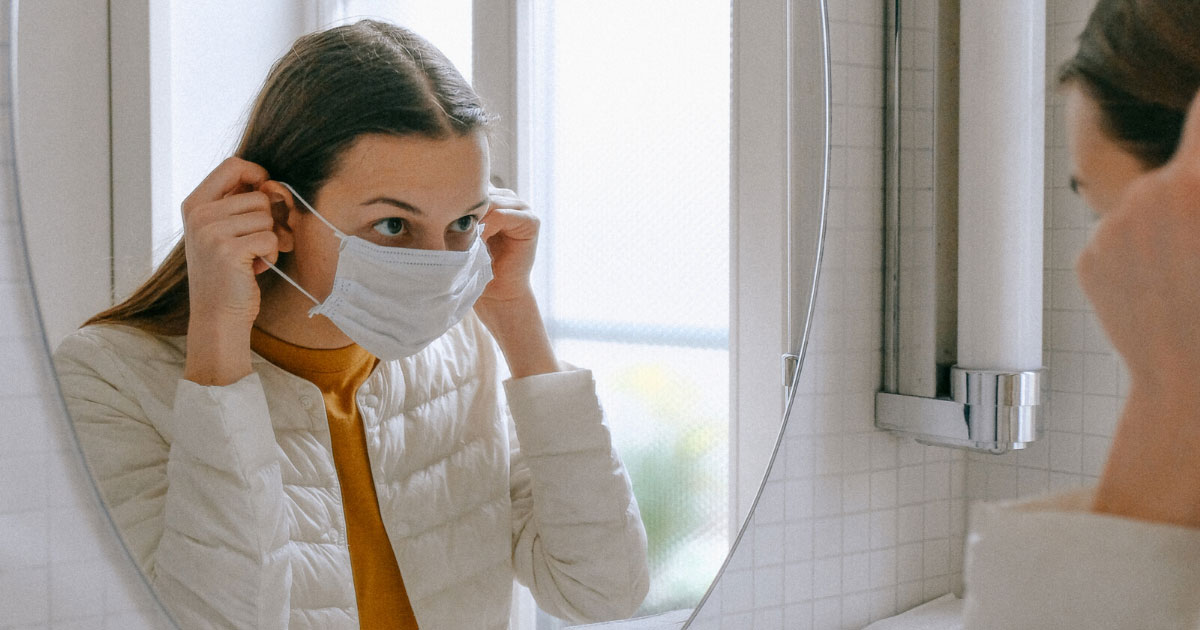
{"x":1125,"y":554}
{"x":275,"y":464}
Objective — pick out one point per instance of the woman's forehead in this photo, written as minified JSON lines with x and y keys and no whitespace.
{"x":414,"y":153}
{"x":414,"y":168}
{"x":1086,"y":138}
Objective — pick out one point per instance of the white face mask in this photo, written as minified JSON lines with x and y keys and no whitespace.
{"x":394,"y":301}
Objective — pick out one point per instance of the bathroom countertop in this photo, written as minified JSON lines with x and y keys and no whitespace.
{"x":943,"y":613}
{"x":671,"y":620}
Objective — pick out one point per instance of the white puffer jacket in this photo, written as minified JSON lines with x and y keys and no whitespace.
{"x":229,"y":500}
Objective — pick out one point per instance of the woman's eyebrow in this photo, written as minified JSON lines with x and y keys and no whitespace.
{"x":408,"y":207}
{"x":403,"y":205}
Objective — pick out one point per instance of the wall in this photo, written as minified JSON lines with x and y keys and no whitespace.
{"x":64,"y":152}
{"x":854,"y":524}
{"x":209,"y":103}
{"x":53,"y":574}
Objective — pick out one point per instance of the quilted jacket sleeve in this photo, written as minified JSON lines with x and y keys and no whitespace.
{"x":204,"y":514}
{"x":578,"y":539}
{"x":1052,"y":563}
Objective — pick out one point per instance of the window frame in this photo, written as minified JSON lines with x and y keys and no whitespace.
{"x":759,"y":199}
{"x":765,"y":117}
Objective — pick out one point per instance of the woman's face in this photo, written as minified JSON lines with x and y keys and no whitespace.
{"x":1101,"y":169}
{"x":396,"y":191}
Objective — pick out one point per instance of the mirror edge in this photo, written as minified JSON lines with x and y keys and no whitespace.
{"x":56,"y":408}
{"x":794,"y":361}
{"x":59,"y":405}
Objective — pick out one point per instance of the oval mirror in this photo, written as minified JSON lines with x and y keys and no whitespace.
{"x":674,"y":151}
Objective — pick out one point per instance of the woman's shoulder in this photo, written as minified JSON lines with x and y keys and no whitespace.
{"x":97,"y":344}
{"x":1109,"y":571}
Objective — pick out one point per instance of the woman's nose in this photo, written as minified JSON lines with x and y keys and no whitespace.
{"x":432,"y":241}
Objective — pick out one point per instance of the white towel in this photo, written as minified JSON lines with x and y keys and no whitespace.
{"x":943,"y":613}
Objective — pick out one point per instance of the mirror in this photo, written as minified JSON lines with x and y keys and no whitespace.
{"x":678,"y":327}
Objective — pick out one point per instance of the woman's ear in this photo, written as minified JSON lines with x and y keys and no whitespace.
{"x":283,"y":210}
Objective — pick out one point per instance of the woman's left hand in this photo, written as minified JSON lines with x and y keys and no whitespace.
{"x":507,"y":306}
{"x":510,"y":230}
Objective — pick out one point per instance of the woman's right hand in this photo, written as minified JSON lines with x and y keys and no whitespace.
{"x":227,"y":229}
{"x":1141,"y":271}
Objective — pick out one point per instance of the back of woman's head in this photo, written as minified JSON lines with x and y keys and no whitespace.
{"x":1140,"y":61}
{"x":331,"y":88}
{"x":338,"y":84}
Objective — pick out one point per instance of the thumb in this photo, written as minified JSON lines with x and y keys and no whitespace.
{"x":1189,"y":140}
{"x":260,"y":263}
{"x":489,"y":229}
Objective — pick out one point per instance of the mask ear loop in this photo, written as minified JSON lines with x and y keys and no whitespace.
{"x":340,"y":234}
{"x":313,"y":210}
{"x":291,"y":282}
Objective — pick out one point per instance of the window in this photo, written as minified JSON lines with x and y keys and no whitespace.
{"x":446,"y":23}
{"x":616,"y":128}
{"x":663,"y":257}
{"x":629,"y":166}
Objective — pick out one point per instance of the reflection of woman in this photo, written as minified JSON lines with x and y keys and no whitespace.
{"x":1126,"y":554}
{"x":273,"y":464}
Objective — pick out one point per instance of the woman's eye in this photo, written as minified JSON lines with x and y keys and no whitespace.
{"x":464,"y":224}
{"x":391,"y":226}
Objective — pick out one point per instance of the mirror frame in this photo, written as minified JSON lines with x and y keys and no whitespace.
{"x":806,"y":113}
{"x":808,"y":105}
{"x":70,"y":502}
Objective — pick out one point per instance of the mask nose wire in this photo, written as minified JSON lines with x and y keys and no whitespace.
{"x":323,"y":220}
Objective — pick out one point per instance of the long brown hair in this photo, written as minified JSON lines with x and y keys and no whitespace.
{"x":330,"y":88}
{"x":1140,"y":61}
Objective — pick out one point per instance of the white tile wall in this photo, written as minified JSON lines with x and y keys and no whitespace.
{"x":908,"y":503}
{"x":60,"y":563}
{"x":871,"y":525}
{"x":856,"y":525}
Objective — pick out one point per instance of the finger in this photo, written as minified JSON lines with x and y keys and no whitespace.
{"x":260,"y":264}
{"x":246,"y":203}
{"x":505,"y":198}
{"x":259,"y":245}
{"x":511,"y":223}
{"x":243,"y":187}
{"x":510,"y":204}
{"x":250,"y":202}
{"x":228,"y":176}
{"x":488,"y":231}
{"x":1189,"y":142}
{"x":247,"y":223}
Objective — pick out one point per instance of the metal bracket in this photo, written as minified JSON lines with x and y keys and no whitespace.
{"x":989,"y":410}
{"x":789,"y":364}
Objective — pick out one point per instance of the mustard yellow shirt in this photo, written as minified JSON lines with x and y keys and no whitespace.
{"x":378,"y":585}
